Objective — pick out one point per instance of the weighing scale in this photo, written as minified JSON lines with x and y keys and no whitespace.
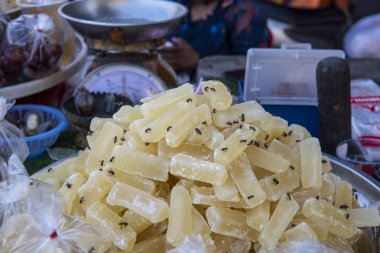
{"x":124,"y":36}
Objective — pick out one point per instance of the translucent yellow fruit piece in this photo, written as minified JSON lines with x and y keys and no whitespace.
{"x":70,"y":188}
{"x":127,"y":114}
{"x":278,"y":184}
{"x":279,"y":221}
{"x":326,"y":164}
{"x":200,"y":135}
{"x":198,"y":151}
{"x":279,"y":148}
{"x":229,"y":222}
{"x":95,"y":188}
{"x":240,"y":246}
{"x":154,"y":244}
{"x":267,"y":160}
{"x":216,"y":138}
{"x":343,"y":195}
{"x":167,"y":100}
{"x":154,"y":230}
{"x":311,"y":165}
{"x":136,"y":222}
{"x":140,"y":163}
{"x":238,"y":114}
{"x":261,"y":173}
{"x":79,"y":163}
{"x":365,"y":217}
{"x":124,"y":237}
{"x":134,"y":141}
{"x":319,"y":228}
{"x":202,"y":99}
{"x":206,"y":196}
{"x":328,"y":188}
{"x":222,"y":242}
{"x":59,"y":172}
{"x":217,"y":93}
{"x":121,"y":176}
{"x":195,"y":169}
{"x":151,"y":208}
{"x":246,"y":181}
{"x":110,"y":136}
{"x":157,"y":129}
{"x":275,"y":126}
{"x":231,"y":148}
{"x":338,"y":221}
{"x":95,"y":127}
{"x":199,"y":224}
{"x":300,"y":232}
{"x":137,"y":125}
{"x":180,"y":218}
{"x":301,"y":131}
{"x":188,"y":184}
{"x":186,"y":124}
{"x":258,"y":217}
{"x":227,"y":191}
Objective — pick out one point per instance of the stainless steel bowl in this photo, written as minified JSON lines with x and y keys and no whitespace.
{"x":122,"y":21}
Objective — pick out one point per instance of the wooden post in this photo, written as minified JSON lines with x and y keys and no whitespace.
{"x":334,"y":102}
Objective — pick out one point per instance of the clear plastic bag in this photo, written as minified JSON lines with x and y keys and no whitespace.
{"x":43,"y":228}
{"x":14,"y":188}
{"x":33,"y":47}
{"x":12,"y":139}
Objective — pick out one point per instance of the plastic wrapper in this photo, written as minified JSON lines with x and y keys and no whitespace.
{"x":11,"y":138}
{"x":33,"y":48}
{"x":14,"y":188}
{"x":43,"y":228}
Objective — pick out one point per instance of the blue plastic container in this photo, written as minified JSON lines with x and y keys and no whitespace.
{"x":39,"y":143}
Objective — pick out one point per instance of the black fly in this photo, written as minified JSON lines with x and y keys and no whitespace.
{"x":91,"y":250}
{"x":212,"y":89}
{"x":81,"y":200}
{"x":243,"y":141}
{"x":147,"y":143}
{"x":101,"y":163}
{"x":224,"y":149}
{"x":148,"y":130}
{"x":344,"y":207}
{"x":252,"y":128}
{"x":50,"y":170}
{"x":242,"y":117}
{"x":189,"y":100}
{"x":275,"y":181}
{"x":288,"y":196}
{"x":115,"y":139}
{"x":68,"y":185}
{"x":284,"y":134}
{"x":250,"y":196}
{"x":112,"y":158}
{"x":291,"y":167}
{"x":199,"y":132}
{"x":123,"y":224}
{"x":229,"y":123}
{"x":169,"y":128}
{"x":111,"y":173}
{"x":204,"y":123}
{"x":206,"y":89}
{"x":347,"y":216}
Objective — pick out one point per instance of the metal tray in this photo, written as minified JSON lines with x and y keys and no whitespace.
{"x":121,"y":21}
{"x":32,"y":87}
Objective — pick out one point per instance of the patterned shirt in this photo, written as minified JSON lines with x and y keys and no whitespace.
{"x":232,"y":28}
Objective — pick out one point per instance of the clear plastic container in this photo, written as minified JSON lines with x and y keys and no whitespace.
{"x":285,"y":76}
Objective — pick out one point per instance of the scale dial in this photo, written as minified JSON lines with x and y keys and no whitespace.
{"x":124,"y":79}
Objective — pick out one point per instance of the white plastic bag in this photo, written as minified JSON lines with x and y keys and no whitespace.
{"x":11,"y":138}
{"x":43,"y":228}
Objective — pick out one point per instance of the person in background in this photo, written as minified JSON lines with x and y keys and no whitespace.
{"x":215,"y":27}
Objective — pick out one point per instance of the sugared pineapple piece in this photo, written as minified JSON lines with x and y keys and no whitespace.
{"x":258,"y":217}
{"x":246,"y":182}
{"x":70,"y":188}
{"x":278,"y":184}
{"x":338,"y":220}
{"x":227,"y":191}
{"x":231,"y":148}
{"x":95,"y":188}
{"x":230,"y":222}
{"x":154,"y":244}
{"x":206,"y":196}
{"x":200,"y":135}
{"x":365,"y":217}
{"x":300,"y":232}
{"x":279,"y":148}
{"x":121,"y":176}
{"x":191,"y":168}
{"x":217,"y":93}
{"x":180,"y":218}
{"x":240,"y":113}
{"x":137,"y":125}
{"x":186,"y":124}
{"x":197,"y":151}
{"x":140,"y":163}
{"x":311,"y":164}
{"x":216,"y":138}
{"x":124,"y":237}
{"x":135,"y":221}
{"x":157,"y":129}
{"x":127,"y":114}
{"x":328,"y":188}
{"x":275,"y":126}
{"x":267,"y":160}
{"x":109,"y":137}
{"x":343,"y":195}
{"x":151,"y":208}
{"x":279,"y":221}
{"x":166,"y":101}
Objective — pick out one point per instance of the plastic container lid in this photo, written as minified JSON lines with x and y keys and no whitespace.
{"x":285,"y":76}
